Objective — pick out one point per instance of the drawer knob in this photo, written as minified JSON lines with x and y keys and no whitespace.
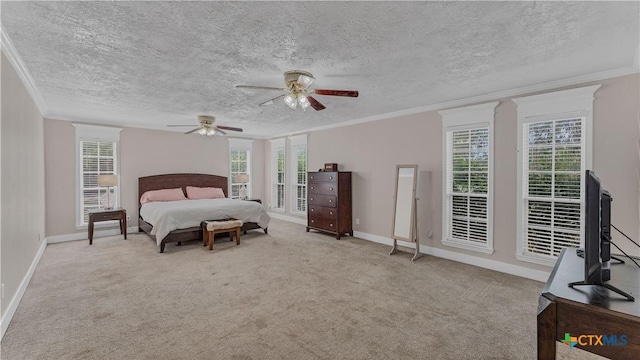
{"x":311,"y":199}
{"x":311,"y":220}
{"x":330,"y":212}
{"x":330,"y":200}
{"x":312,"y":188}
{"x":331,"y":225}
{"x":312,"y":210}
{"x":312,"y":177}
{"x":329,"y":188}
{"x":330,"y":177}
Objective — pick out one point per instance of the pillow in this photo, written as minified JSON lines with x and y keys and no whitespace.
{"x":204,"y":193}
{"x":162,"y":195}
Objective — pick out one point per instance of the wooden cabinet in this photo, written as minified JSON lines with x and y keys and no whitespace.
{"x":119,"y":214}
{"x":329,"y":202}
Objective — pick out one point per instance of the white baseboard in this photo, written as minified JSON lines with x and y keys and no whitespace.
{"x":293,"y":219}
{"x":15,"y":301}
{"x":85,"y":236}
{"x":463,"y":258}
{"x":442,"y":253}
{"x":512,"y":269}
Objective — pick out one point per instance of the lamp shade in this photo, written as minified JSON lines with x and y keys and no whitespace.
{"x":108,"y":180}
{"x":242,"y":178}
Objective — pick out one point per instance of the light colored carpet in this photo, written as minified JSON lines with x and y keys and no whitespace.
{"x":286,"y":295}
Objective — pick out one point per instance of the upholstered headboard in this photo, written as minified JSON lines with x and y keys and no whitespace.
{"x":172,"y":181}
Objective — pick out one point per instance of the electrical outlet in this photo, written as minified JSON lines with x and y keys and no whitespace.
{"x":2,"y":291}
{"x":128,"y":218}
{"x":430,"y":234}
{"x":357,"y":221}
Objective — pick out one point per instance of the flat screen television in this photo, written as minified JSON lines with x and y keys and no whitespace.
{"x":594,"y":247}
{"x":597,"y":235}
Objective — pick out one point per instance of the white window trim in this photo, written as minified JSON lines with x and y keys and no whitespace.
{"x":85,"y":132}
{"x":545,"y":107}
{"x":295,"y":142}
{"x":276,"y":146}
{"x":469,"y":117}
{"x":241,"y":145}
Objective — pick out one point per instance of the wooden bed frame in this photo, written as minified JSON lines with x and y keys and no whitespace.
{"x":172,"y":181}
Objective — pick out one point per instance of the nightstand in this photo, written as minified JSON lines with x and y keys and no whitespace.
{"x":119,"y":214}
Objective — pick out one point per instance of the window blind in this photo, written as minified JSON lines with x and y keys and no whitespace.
{"x":279,"y":178}
{"x":300,"y":178}
{"x":467,"y":180}
{"x":97,"y":158}
{"x":554,"y":165}
{"x":240,"y":164}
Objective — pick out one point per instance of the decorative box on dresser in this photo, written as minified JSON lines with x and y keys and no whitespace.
{"x":329,"y":201}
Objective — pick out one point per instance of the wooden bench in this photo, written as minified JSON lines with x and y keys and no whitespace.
{"x":210,"y":228}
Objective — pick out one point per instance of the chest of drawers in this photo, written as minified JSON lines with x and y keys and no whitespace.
{"x":329,"y":202}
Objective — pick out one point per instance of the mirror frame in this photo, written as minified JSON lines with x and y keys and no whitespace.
{"x":412,"y":230}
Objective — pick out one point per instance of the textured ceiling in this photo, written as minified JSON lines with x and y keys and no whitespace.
{"x":149,"y":64}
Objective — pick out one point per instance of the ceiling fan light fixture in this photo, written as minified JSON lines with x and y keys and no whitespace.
{"x":208,"y":128}
{"x":303,"y":101}
{"x":305,"y":81}
{"x":297,"y":83}
{"x":291,"y":102}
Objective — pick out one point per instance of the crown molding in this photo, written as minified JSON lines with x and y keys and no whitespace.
{"x":6,"y":45}
{"x":507,"y":94}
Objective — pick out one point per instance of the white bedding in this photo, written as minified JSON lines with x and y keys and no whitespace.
{"x":166,"y":216}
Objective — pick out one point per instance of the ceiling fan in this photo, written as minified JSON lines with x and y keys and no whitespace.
{"x":297,"y":92}
{"x":208,"y":127}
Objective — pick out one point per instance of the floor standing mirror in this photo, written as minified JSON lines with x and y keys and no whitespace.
{"x":405,"y":217}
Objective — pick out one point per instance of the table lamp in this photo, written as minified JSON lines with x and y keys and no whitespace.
{"x":243,"y":179}
{"x":108,"y":181}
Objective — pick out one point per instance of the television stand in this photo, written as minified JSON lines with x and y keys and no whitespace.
{"x":608,"y":286}
{"x":564,"y":310}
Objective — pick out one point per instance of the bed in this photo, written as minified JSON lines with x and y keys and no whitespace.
{"x":171,"y":181}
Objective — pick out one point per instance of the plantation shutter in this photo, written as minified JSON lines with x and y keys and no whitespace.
{"x":280,"y":179}
{"x":97,"y":158}
{"x":278,"y":167}
{"x":553,"y":179}
{"x":300,"y":153}
{"x":239,"y":163}
{"x":467,"y":158}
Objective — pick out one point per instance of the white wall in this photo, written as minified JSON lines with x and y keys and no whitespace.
{"x":143,"y":152}
{"x":372,"y":150}
{"x":23,"y":200}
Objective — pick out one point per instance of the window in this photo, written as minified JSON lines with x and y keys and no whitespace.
{"x":97,"y":154}
{"x":554,"y":151}
{"x":278,"y":166}
{"x":299,"y":173}
{"x":239,"y":163}
{"x":468,"y":184}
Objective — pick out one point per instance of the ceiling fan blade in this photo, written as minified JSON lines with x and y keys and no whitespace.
{"x":194,"y":130}
{"x":260,"y":87}
{"x":270,"y":101}
{"x":180,"y":125}
{"x":220,"y":132}
{"x":315,"y":103}
{"x":349,"y":93}
{"x":229,"y":128}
